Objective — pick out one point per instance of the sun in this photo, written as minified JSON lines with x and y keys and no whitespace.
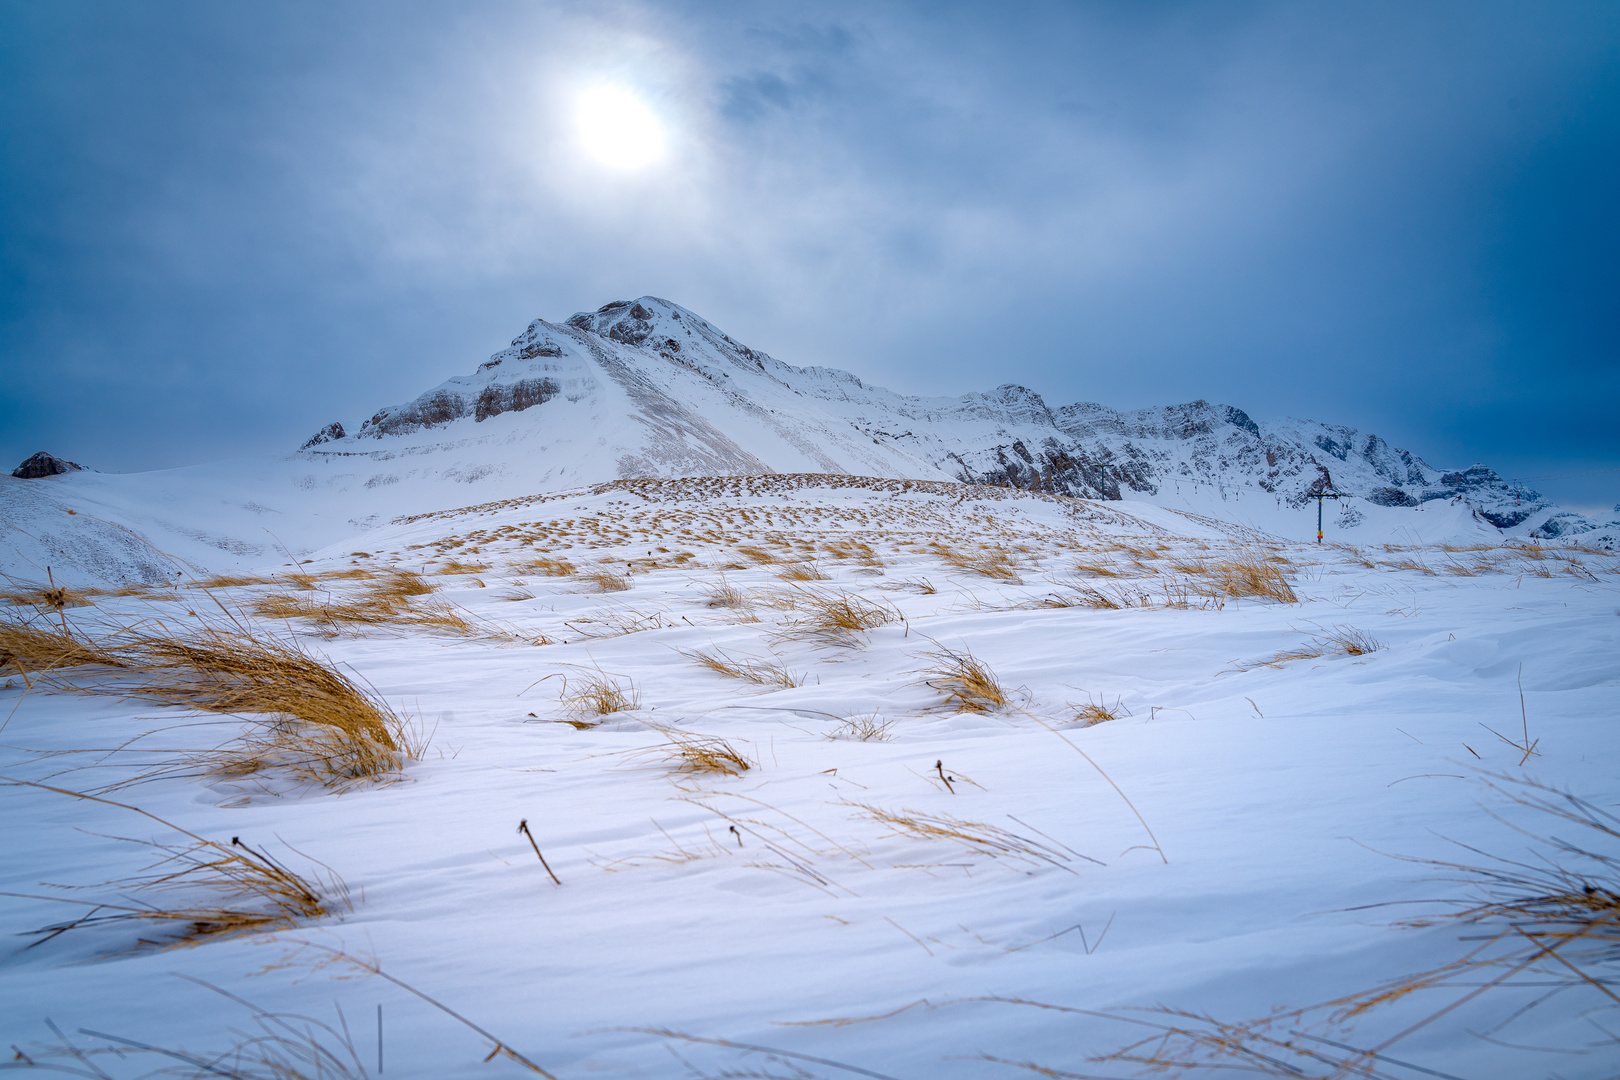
{"x":618,"y":129}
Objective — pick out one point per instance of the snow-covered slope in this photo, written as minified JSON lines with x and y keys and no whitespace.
{"x":646,"y":388}
{"x":1188,"y":799}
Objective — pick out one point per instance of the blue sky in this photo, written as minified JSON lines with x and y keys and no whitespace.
{"x":222,"y":226}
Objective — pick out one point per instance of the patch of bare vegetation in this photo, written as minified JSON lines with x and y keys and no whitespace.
{"x":1549,"y":922}
{"x":687,"y":752}
{"x":1339,"y":641}
{"x":836,"y":617}
{"x":605,"y":580}
{"x":760,"y":672}
{"x":616,"y":623}
{"x":392,"y":599}
{"x":991,"y":562}
{"x":546,"y":567}
{"x":975,"y":836}
{"x":1250,"y":573}
{"x":964,"y":681}
{"x":590,"y":695}
{"x":803,"y":571}
{"x":1095,"y":711}
{"x":305,"y":718}
{"x":199,"y":889}
{"x":863,"y":727}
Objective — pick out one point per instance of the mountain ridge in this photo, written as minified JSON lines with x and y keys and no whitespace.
{"x":651,"y":347}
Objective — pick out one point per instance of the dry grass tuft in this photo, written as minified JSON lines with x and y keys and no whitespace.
{"x":387,"y":601}
{"x":220,"y":889}
{"x":606,"y":580}
{"x":1351,"y":642}
{"x":759,"y":672}
{"x":55,"y":598}
{"x":976,"y":836}
{"x":992,"y":562}
{"x":35,"y":650}
{"x":686,"y":752}
{"x":1340,"y":641}
{"x":966,"y":682}
{"x":726,"y":595}
{"x":1094,"y":712}
{"x":593,"y":694}
{"x":803,"y":571}
{"x":452,"y":566}
{"x":1251,"y":574}
{"x":305,"y":717}
{"x":837,"y":618}
{"x":1550,"y":921}
{"x":756,"y":555}
{"x":615,"y":623}
{"x":546,"y":567}
{"x":1075,"y":595}
{"x":230,"y":581}
{"x":863,"y":727}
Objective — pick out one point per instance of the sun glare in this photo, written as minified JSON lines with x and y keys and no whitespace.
{"x":618,"y":129}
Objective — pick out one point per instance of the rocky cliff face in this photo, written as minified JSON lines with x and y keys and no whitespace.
{"x":661,"y":391}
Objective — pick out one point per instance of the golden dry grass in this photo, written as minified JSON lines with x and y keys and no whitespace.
{"x":836,"y":617}
{"x":201,"y":888}
{"x":1339,"y":641}
{"x":991,"y":562}
{"x":759,"y":672}
{"x":453,"y":566}
{"x":1098,"y":711}
{"x":606,"y":580}
{"x":965,"y":682}
{"x":390,"y":600}
{"x":230,"y":581}
{"x":546,"y":567}
{"x":31,"y":648}
{"x":725,"y":595}
{"x":977,"y":837}
{"x":803,"y":571}
{"x":756,"y":555}
{"x":591,"y":694}
{"x":863,"y":727}
{"x":305,"y":718}
{"x":1250,"y":573}
{"x":686,"y":752}
{"x":55,"y":598}
{"x":1549,"y":920}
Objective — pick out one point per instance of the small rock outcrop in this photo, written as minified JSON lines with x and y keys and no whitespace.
{"x":330,"y":433}
{"x":42,"y":465}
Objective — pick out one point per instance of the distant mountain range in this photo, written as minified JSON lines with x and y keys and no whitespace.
{"x":647,"y":388}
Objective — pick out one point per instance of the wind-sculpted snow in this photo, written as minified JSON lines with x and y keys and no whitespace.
{"x":852,"y":768}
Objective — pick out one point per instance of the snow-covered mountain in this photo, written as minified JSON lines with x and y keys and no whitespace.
{"x":646,"y":388}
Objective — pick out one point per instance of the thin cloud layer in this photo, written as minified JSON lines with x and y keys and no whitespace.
{"x":224,"y":227}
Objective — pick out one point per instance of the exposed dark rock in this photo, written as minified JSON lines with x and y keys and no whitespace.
{"x":1390,"y":496}
{"x":42,"y":465}
{"x":1240,"y":419}
{"x":495,"y":400}
{"x":330,"y":433}
{"x":431,"y":409}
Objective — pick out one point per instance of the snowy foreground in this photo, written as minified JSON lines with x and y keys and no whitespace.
{"x":859,"y":906}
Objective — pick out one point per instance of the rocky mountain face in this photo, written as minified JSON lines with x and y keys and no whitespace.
{"x":647,"y":388}
{"x":40,"y":465}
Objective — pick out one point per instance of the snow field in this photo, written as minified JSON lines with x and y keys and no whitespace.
{"x":1276,"y":790}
